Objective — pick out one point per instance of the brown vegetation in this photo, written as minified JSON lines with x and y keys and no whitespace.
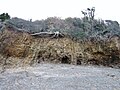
{"x":19,"y":48}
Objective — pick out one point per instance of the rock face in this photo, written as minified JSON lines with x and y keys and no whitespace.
{"x":18,"y":48}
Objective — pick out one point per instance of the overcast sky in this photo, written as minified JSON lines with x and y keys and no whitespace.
{"x":41,"y":9}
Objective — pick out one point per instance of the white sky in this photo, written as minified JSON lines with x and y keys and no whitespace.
{"x":41,"y":9}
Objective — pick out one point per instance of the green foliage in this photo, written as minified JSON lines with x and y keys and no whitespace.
{"x":78,"y":28}
{"x":4,"y":16}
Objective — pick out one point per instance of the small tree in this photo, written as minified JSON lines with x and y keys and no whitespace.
{"x":4,"y":16}
{"x":89,"y":14}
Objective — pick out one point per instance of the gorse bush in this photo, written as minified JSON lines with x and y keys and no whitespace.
{"x":78,"y":28}
{"x":75,"y":27}
{"x":85,"y":27}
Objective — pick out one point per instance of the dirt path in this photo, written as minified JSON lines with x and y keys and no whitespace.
{"x":60,"y":77}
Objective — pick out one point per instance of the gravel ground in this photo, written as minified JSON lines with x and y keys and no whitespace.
{"x":60,"y":77}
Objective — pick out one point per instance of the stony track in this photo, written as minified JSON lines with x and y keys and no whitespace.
{"x":60,"y":77}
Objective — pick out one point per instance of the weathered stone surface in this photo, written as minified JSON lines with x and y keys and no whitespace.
{"x":19,"y":48}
